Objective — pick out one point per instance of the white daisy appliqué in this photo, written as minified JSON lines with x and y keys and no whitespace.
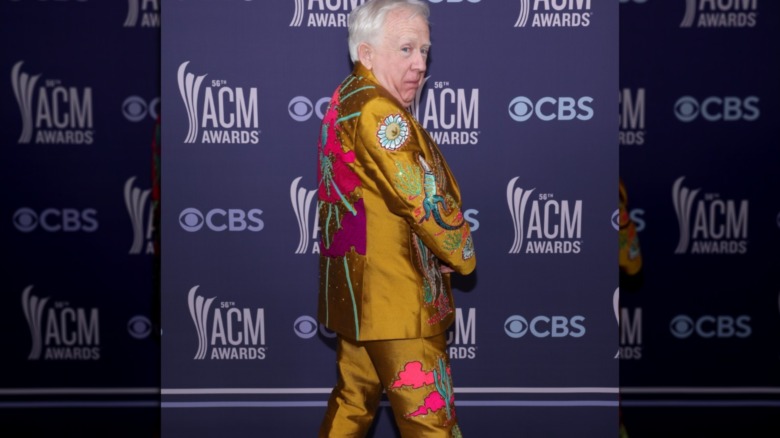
{"x":393,"y":132}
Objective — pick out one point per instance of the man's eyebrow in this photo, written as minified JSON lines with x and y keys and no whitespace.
{"x":407,"y":40}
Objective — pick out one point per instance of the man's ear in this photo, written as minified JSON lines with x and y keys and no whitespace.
{"x":365,"y":55}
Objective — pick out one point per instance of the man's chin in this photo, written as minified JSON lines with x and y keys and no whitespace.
{"x":410,"y":100}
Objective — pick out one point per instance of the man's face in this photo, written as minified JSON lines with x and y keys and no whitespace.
{"x":398,"y":61}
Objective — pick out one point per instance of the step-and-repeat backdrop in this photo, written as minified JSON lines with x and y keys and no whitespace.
{"x":699,"y":157}
{"x":79,"y":97}
{"x":521,"y":98}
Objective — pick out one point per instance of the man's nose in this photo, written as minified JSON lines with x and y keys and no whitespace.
{"x":418,"y":63}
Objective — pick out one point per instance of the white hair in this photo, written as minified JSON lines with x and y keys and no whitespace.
{"x":367,"y":20}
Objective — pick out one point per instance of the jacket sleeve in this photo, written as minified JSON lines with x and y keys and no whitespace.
{"x":414,"y":180}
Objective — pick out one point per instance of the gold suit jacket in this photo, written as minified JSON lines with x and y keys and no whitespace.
{"x":389,"y":214}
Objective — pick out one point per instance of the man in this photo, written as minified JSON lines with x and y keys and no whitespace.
{"x":392,"y":233}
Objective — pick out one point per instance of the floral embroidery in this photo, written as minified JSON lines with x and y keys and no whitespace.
{"x":393,"y":132}
{"x":441,"y":398}
{"x":408,"y":179}
{"x":336,"y":179}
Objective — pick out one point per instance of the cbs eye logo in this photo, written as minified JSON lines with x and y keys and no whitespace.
{"x":542,"y":326}
{"x":306,"y":327}
{"x":56,"y":220}
{"x":716,"y":108}
{"x":218,"y":219}
{"x":522,"y":108}
{"x":136,"y":108}
{"x":301,"y":108}
{"x":711,"y":326}
{"x":139,"y":327}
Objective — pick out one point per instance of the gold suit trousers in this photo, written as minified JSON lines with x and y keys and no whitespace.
{"x":415,"y":375}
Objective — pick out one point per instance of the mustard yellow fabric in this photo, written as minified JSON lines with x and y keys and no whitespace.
{"x":630,"y":255}
{"x":415,"y":374}
{"x":390,"y":214}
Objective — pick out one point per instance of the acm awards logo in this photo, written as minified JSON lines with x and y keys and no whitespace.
{"x":60,"y":330}
{"x":554,"y":13}
{"x":708,"y":223}
{"x":226,"y":331}
{"x":632,"y":116}
{"x":226,"y":115}
{"x":543,"y":223}
{"x":334,"y":13}
{"x":462,"y":335}
{"x":630,"y":325}
{"x":143,"y":13}
{"x":51,"y":112}
{"x":720,"y":13}
{"x":449,"y":114}
{"x":302,"y":201}
{"x":141,"y":212}
{"x":323,"y":13}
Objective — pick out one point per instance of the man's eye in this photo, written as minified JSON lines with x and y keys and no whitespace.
{"x":405,"y":49}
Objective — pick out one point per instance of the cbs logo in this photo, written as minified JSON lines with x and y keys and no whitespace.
{"x":218,"y":219}
{"x":522,"y":108}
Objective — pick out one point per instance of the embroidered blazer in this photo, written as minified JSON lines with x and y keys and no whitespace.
{"x":389,"y":215}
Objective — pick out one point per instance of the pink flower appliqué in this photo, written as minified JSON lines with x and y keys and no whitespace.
{"x":336,"y":179}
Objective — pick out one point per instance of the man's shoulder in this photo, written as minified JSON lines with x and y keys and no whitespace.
{"x":358,"y":93}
